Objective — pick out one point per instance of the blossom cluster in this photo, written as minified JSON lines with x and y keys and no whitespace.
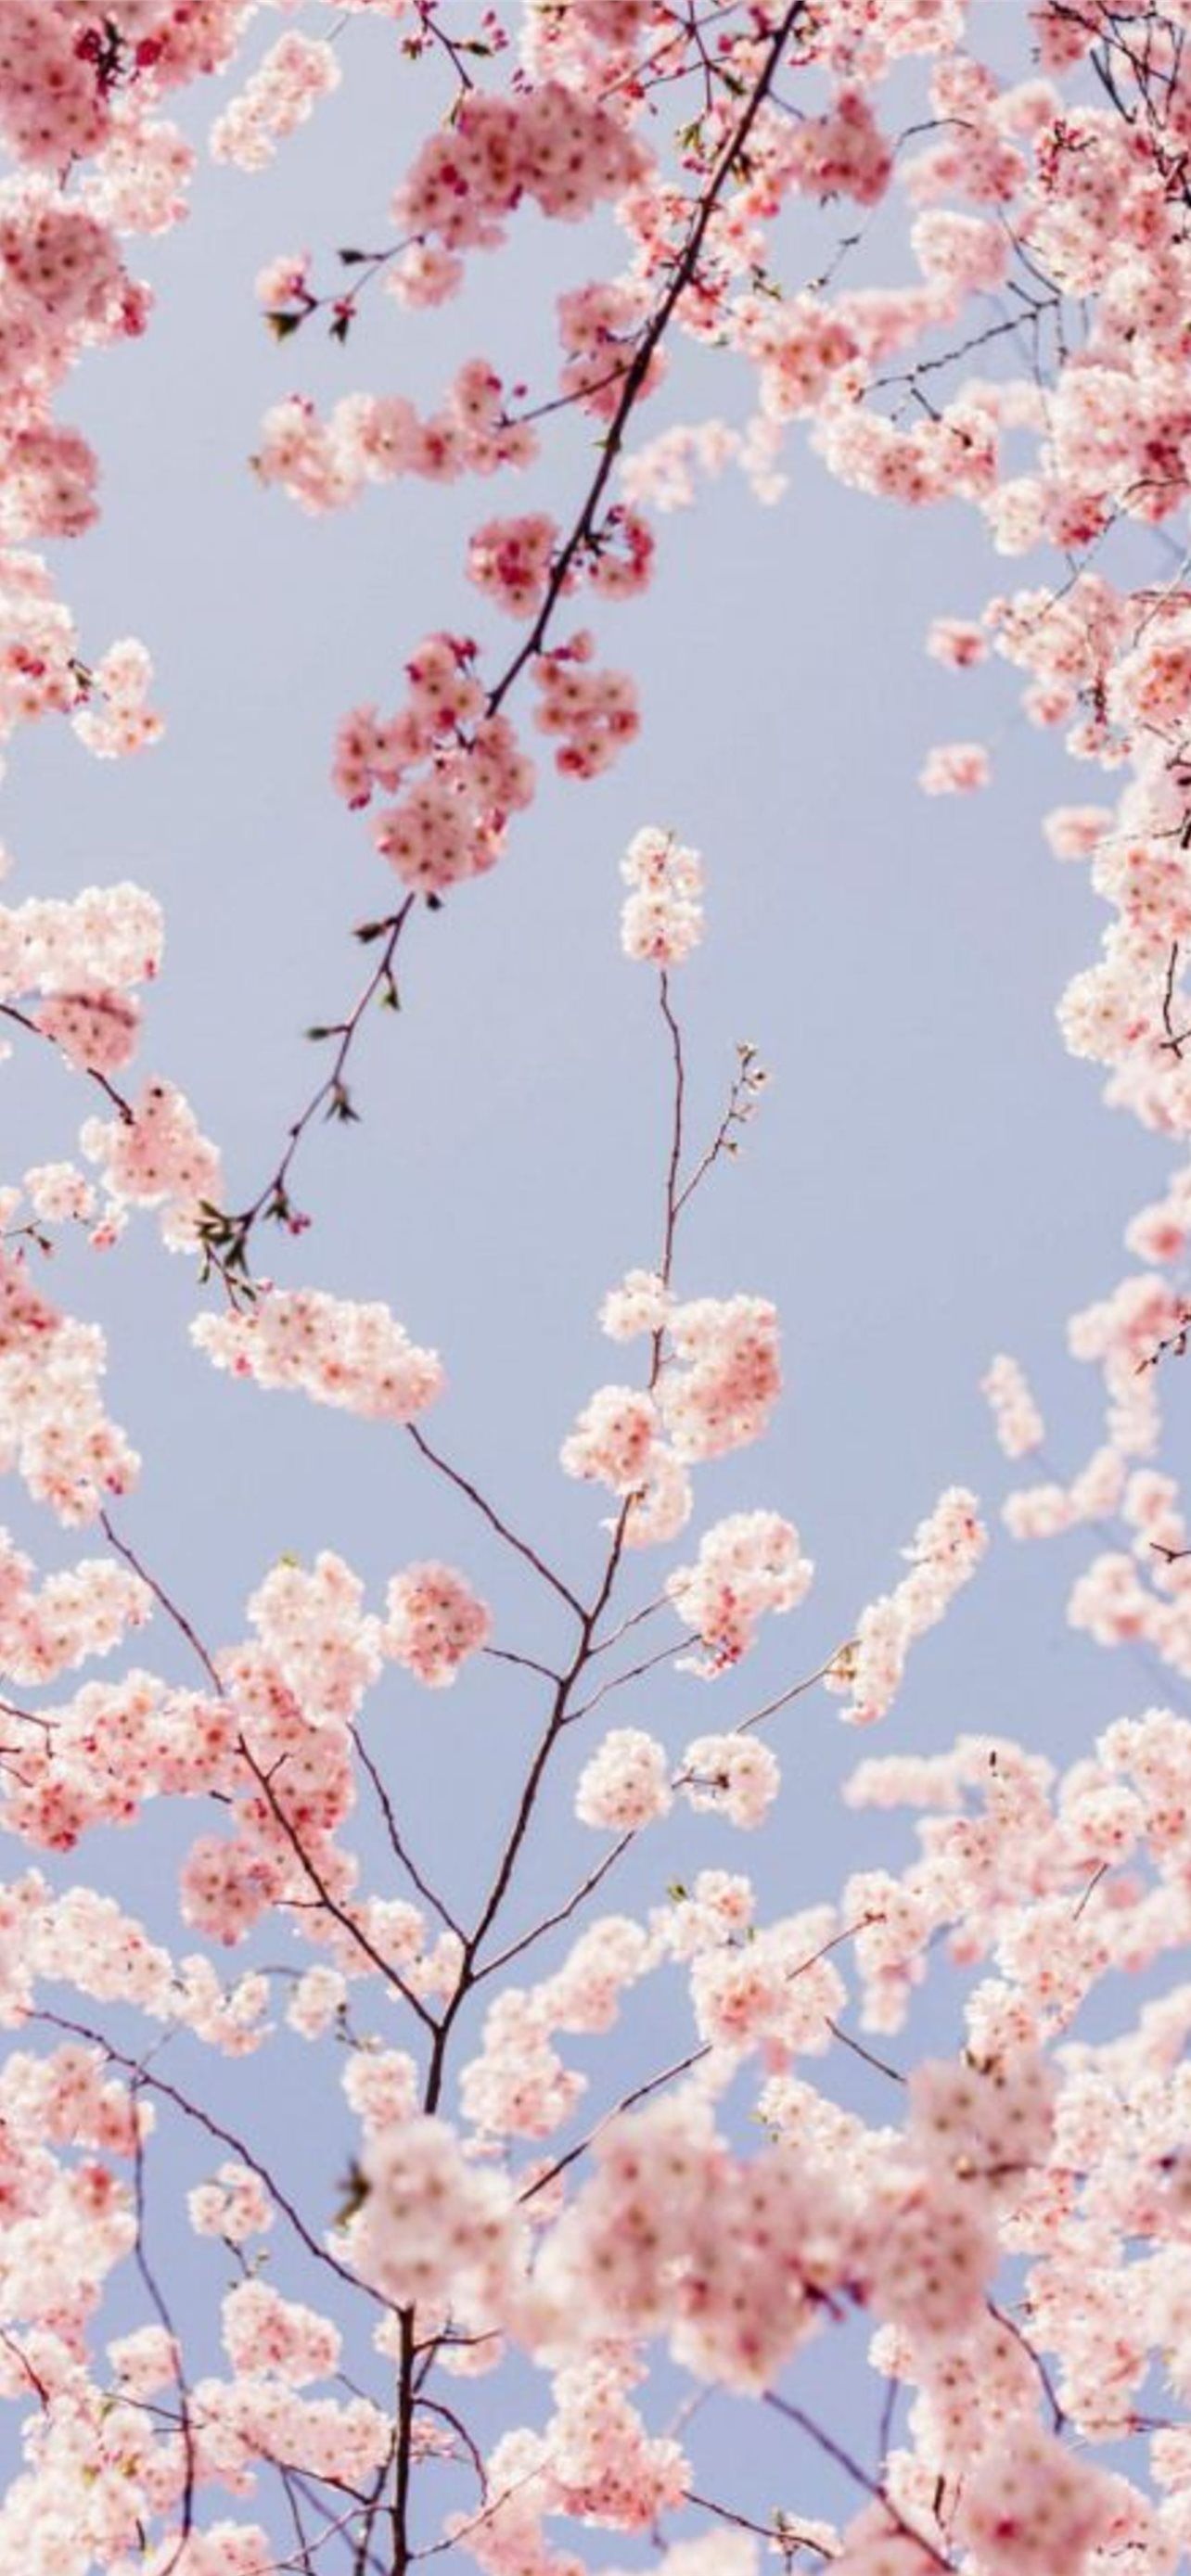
{"x":662,"y":919}
{"x":281,"y":94}
{"x":946,"y":1550}
{"x":332,"y":1348}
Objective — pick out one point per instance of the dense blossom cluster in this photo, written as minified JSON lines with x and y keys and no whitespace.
{"x":434,"y":1622}
{"x":374,"y":438}
{"x":662,"y":918}
{"x":1019,"y":1424}
{"x":451,"y":823}
{"x":731,"y":1775}
{"x":53,"y":1428}
{"x":74,"y":968}
{"x":715,"y":1377}
{"x":725,"y":1374}
{"x":432,"y":2229}
{"x":746,"y":1565}
{"x":333,"y":1349}
{"x":945,"y":1553}
{"x":296,"y":71}
{"x":46,"y":1629}
{"x":548,"y":143}
{"x":626,"y":1782}
{"x":155,"y":1155}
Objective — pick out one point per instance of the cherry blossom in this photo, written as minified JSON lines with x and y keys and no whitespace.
{"x":997,"y":2236}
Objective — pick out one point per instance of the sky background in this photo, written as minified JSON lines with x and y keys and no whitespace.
{"x":931,"y":1180}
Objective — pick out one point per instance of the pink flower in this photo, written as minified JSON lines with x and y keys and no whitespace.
{"x":955,"y":769}
{"x":434,"y":1622}
{"x":625,"y":1784}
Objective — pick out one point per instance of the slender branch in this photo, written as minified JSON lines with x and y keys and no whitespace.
{"x":435,"y":2548}
{"x":627,"y":2102}
{"x":633,"y":1673}
{"x":561,"y":1913}
{"x":852,"y":2469}
{"x":685,"y":267}
{"x":403,"y":2455}
{"x":224,"y":1234}
{"x":779,"y":2533}
{"x":434,"y":2406}
{"x":214,"y":2129}
{"x":634,"y":1620}
{"x":396,"y":1841}
{"x":671,"y":1202}
{"x":165,"y":2320}
{"x":162,"y":1597}
{"x":122,"y":1107}
{"x":464,"y":1485}
{"x":340,"y":1914}
{"x":681,"y":2066}
{"x":227,"y":1237}
{"x":264,"y":1780}
{"x":1003,"y":2318}
{"x":858,"y":2050}
{"x":526,"y":1663}
{"x":796,"y":1691}
{"x":9,"y":2344}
